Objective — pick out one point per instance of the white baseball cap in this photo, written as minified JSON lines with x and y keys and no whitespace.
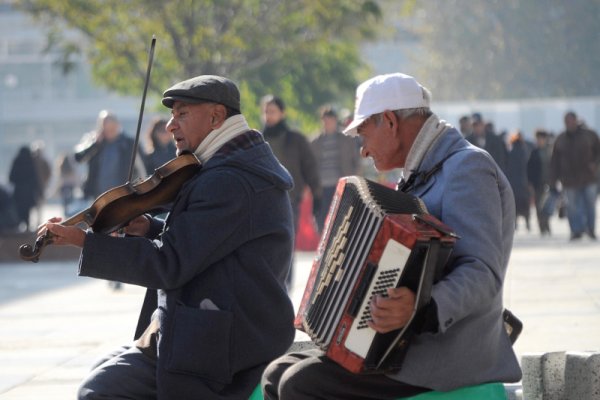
{"x":386,"y":92}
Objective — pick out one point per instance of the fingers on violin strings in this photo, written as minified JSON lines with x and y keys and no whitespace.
{"x":43,"y":227}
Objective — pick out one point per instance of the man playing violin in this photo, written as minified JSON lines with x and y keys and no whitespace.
{"x":216,"y":311}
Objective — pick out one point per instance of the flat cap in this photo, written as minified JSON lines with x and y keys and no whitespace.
{"x":204,"y":88}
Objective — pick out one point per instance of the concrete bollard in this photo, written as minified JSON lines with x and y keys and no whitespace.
{"x":582,"y":376}
{"x":543,"y":376}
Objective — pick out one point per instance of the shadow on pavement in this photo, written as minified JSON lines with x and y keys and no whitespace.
{"x":19,"y":279}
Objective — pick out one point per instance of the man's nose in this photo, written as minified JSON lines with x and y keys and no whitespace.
{"x":171,"y":125}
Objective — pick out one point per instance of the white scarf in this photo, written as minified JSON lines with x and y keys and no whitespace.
{"x":231,"y":128}
{"x":430,"y":132}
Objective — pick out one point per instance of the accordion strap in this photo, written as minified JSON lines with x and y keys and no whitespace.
{"x":411,"y":182}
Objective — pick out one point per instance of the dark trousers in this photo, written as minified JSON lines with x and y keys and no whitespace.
{"x":311,"y":375}
{"x":126,"y":373}
{"x":539,"y":197}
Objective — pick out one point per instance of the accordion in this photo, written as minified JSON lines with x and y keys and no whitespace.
{"x":375,"y":238}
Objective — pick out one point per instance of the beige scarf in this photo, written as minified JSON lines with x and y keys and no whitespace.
{"x":431,"y":131}
{"x":231,"y":128}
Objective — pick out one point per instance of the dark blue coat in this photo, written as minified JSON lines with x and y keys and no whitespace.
{"x":229,"y":239}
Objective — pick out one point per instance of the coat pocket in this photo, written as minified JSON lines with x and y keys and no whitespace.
{"x":201,"y":343}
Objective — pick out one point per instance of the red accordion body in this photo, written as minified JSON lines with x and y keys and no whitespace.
{"x":375,"y":238}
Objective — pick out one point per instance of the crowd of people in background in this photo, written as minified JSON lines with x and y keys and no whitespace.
{"x":553,"y":174}
{"x":557,"y":174}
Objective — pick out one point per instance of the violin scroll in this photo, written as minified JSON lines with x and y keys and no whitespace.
{"x":29,"y":253}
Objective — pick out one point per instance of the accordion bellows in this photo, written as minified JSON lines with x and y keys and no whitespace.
{"x":374,"y":238}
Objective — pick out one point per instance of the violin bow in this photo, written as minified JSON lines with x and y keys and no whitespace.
{"x":139,"y":124}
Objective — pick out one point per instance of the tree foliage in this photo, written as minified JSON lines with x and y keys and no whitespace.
{"x":305,"y":51}
{"x":491,"y":49}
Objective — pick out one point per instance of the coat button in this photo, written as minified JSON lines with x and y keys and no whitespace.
{"x":448,"y":322}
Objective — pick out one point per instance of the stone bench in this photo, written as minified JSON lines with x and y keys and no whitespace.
{"x":561,"y":376}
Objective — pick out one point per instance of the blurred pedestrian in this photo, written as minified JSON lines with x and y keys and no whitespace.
{"x":68,"y":181}
{"x":337,"y":155}
{"x":489,"y":141}
{"x":574,"y":163}
{"x":160,"y":146}
{"x":293,"y":151}
{"x":518,"y":156}
{"x":27,"y":190}
{"x":9,"y":220}
{"x":107,"y":152}
{"x":465,"y":125}
{"x":44,"y":173}
{"x":538,"y":175}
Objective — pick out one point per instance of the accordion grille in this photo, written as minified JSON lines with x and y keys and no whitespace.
{"x":352,"y":231}
{"x":362,"y":208}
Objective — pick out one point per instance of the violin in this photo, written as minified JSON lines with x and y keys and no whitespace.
{"x":113,"y":209}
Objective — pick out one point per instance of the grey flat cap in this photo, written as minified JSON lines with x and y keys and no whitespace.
{"x":204,"y":88}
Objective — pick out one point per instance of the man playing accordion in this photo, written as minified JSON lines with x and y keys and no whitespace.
{"x":461,"y":340}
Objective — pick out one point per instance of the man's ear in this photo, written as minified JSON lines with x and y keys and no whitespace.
{"x":219,"y":115}
{"x":390,"y":120}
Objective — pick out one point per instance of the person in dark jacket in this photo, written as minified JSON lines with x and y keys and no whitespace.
{"x":107,"y":151}
{"x":160,"y":147}
{"x":293,"y":150}
{"x":9,"y":221}
{"x":516,"y":172}
{"x":28,"y":189}
{"x":216,"y":311}
{"x":336,"y":155}
{"x":483,"y":136}
{"x":574,"y":163}
{"x":538,"y":175}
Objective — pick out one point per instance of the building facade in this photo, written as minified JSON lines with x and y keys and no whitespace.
{"x":38,"y":102}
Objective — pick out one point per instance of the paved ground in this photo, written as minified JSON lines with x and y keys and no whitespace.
{"x":55,"y":324}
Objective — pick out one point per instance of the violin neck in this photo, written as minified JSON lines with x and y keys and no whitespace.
{"x":77,"y":218}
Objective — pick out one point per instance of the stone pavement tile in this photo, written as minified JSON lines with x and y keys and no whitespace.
{"x":50,"y":390}
{"x":23,"y":366}
{"x":50,"y":339}
{"x":553,"y":286}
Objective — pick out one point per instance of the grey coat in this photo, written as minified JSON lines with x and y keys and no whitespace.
{"x":471,"y":195}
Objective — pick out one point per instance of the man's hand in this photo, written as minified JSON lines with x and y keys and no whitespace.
{"x":99,"y":135}
{"x":392,"y":312}
{"x":138,"y":226}
{"x":61,"y":234}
